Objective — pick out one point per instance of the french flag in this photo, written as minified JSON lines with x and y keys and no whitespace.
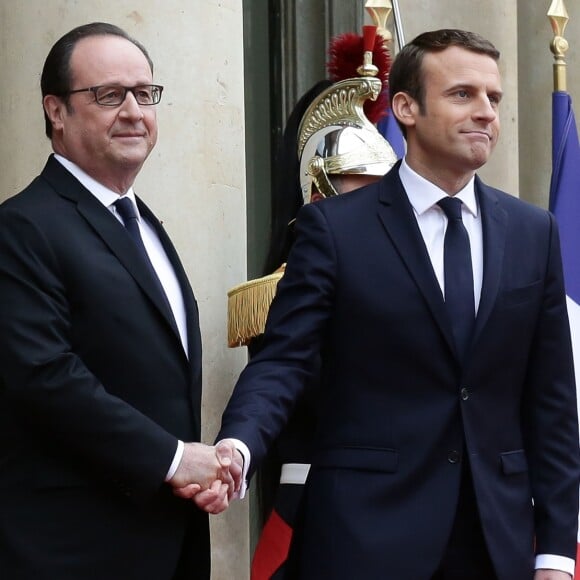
{"x":565,"y":204}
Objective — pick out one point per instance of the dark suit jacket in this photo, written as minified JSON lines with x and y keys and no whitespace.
{"x":399,"y":410}
{"x":95,"y":391}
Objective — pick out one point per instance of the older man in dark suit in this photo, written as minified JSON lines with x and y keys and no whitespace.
{"x":447,"y":443}
{"x":100,"y":351}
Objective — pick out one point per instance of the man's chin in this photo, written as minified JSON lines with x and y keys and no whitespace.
{"x":133,"y":158}
{"x":480,"y":156}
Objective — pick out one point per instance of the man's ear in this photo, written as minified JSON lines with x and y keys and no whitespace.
{"x":55,"y":108}
{"x":405,"y":109}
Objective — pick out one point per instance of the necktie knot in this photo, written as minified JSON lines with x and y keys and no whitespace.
{"x":126,"y":209}
{"x":451,"y":206}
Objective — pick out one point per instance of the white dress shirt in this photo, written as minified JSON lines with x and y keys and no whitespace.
{"x":432,"y":222}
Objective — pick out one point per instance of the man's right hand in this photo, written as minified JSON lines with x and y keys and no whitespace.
{"x":229,"y":455}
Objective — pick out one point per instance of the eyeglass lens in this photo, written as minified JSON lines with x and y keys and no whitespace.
{"x":115,"y":95}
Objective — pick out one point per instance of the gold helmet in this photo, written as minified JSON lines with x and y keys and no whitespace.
{"x":336,"y":137}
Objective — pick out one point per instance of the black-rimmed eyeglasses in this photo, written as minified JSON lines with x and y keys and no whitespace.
{"x":114,"y":95}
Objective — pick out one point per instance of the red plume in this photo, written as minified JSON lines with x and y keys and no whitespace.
{"x":345,"y":55}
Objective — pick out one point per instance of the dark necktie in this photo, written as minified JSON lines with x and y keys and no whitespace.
{"x":458,"y":271}
{"x":128,"y":214}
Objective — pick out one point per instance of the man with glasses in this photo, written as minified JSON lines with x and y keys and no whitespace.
{"x":100,"y":352}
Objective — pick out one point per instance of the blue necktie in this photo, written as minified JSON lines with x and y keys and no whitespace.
{"x":458,"y":273}
{"x":128,"y":214}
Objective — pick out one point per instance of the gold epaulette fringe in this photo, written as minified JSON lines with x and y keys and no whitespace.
{"x":248,"y":306}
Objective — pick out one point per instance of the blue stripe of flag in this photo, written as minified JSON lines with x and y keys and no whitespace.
{"x":389,"y":129}
{"x":565,"y":188}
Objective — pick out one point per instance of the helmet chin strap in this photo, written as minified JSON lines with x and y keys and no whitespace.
{"x":320,"y":178}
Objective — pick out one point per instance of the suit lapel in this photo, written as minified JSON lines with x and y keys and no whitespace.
{"x":110,"y":230}
{"x":191,"y":312}
{"x":494,"y":226}
{"x":396,"y":214}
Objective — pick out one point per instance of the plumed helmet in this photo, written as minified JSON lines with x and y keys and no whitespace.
{"x":336,"y":136}
{"x":330,"y":132}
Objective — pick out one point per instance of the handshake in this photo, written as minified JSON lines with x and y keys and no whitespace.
{"x":209,"y":475}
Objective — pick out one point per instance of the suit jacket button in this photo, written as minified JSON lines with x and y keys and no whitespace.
{"x":464,"y":394}
{"x":453,"y":456}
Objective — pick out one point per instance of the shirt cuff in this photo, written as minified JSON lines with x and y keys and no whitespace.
{"x":176,"y":460}
{"x":553,"y":562}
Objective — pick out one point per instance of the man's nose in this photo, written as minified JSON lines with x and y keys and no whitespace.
{"x":131,"y":107}
{"x":485,"y":109}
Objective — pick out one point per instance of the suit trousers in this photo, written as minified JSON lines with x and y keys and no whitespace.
{"x":466,"y":556}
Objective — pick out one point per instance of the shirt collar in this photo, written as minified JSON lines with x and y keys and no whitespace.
{"x":423,"y":194}
{"x":105,"y":195}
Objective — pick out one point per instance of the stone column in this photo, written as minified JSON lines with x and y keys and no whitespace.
{"x":194,"y":179}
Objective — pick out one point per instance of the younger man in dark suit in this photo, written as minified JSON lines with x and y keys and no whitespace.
{"x":447,"y":443}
